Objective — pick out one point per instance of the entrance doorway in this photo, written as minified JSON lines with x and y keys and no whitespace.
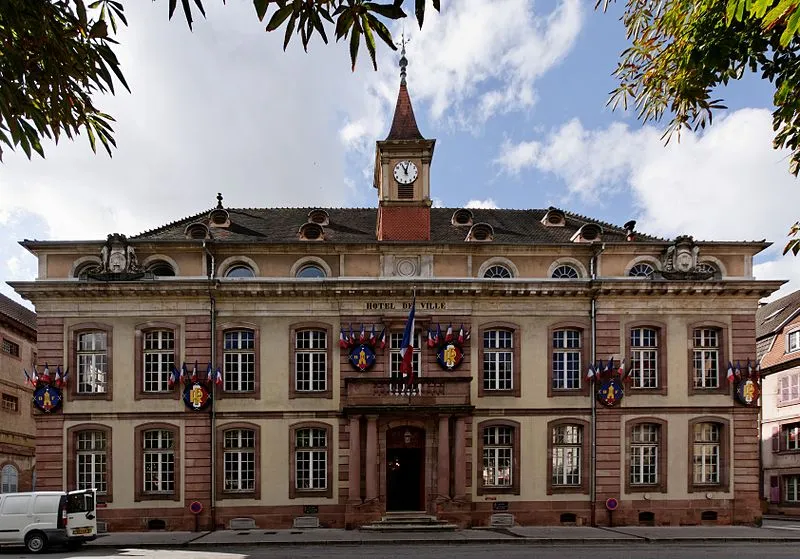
{"x":405,"y":469}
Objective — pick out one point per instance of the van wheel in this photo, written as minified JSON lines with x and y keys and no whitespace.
{"x":35,"y":542}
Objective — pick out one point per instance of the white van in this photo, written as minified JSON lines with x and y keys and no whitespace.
{"x":42,"y":518}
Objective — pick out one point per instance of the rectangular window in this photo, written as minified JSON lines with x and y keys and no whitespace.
{"x":706,"y":453}
{"x":240,"y":361}
{"x":91,"y":461}
{"x":705,"y":343}
{"x":10,"y":347}
{"x":793,"y":341}
{"x":395,"y":358}
{"x":791,"y":489}
{"x":158,"y":359}
{"x":10,"y":403}
{"x":92,"y":362}
{"x":567,"y":359}
{"x":791,"y":436}
{"x":311,"y":459}
{"x":567,"y":442}
{"x":498,"y":448}
{"x":789,"y":388}
{"x":240,"y":460}
{"x":311,"y":360}
{"x":159,"y":462}
{"x":644,"y":455}
{"x":644,"y":358}
{"x":498,"y":362}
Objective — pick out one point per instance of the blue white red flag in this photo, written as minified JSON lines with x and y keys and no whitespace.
{"x":407,"y":346}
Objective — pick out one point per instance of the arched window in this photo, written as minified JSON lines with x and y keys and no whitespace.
{"x":9,"y":478}
{"x":565,"y":272}
{"x":310,"y":271}
{"x":160,"y":268}
{"x":642,"y":270}
{"x":498,"y":271}
{"x":82,"y":271}
{"x":239,"y":271}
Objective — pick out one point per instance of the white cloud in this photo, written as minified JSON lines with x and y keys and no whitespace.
{"x":727,"y":184}
{"x":487,"y":204}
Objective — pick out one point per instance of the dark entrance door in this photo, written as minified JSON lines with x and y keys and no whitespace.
{"x":404,"y":479}
{"x":405,"y":469}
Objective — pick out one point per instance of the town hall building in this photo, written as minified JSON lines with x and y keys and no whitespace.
{"x":253,"y":365}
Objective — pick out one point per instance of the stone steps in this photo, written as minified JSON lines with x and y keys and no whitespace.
{"x":410,"y":521}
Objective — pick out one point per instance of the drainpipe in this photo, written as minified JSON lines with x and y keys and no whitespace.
{"x":592,"y":388}
{"x":212,"y":284}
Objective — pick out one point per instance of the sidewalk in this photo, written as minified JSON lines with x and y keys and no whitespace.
{"x":542,"y":535}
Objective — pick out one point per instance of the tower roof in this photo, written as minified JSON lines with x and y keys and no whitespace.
{"x":404,"y":125}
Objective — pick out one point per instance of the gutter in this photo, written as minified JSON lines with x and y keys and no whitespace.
{"x":212,"y":304}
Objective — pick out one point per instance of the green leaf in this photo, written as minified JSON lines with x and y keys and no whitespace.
{"x":792,"y":26}
{"x":382,"y":31}
{"x":370,"y":40}
{"x":318,"y":26}
{"x":343,"y":24}
{"x":355,"y":37}
{"x":172,"y":5}
{"x":279,"y":17}
{"x":187,"y":11}
{"x":390,"y":11}
{"x":419,"y":10}
{"x":289,"y":30}
{"x":83,"y":21}
{"x":261,"y":8}
{"x":436,"y":6}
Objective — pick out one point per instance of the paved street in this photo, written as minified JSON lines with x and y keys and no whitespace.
{"x":472,"y":551}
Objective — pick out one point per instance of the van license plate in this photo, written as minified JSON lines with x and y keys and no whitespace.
{"x":86,"y":530}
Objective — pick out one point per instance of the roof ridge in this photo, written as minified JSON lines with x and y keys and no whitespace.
{"x":169,"y":224}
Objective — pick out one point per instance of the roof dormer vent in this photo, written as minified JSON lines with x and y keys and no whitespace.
{"x":320,"y":217}
{"x":461,"y":217}
{"x":480,"y":232}
{"x":554,"y":218}
{"x":197,"y":230}
{"x":311,"y":232}
{"x":219,"y":217}
{"x":588,"y":233}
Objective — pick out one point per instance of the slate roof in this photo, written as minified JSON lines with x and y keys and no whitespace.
{"x":358,"y":225}
{"x":404,"y":124}
{"x":17,"y":312}
{"x":772,"y":316}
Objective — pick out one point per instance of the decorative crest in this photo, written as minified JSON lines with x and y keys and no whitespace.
{"x":118,"y":260}
{"x":47,"y":390}
{"x":679,"y":260}
{"x":362,"y":346}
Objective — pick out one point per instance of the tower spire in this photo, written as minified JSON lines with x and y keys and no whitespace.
{"x":404,"y":124}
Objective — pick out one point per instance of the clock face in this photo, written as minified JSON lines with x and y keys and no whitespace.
{"x":405,"y":172}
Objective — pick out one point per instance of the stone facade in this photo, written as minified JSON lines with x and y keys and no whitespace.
{"x":299,"y":427}
{"x":17,"y":428}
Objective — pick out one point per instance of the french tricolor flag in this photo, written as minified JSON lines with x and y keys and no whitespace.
{"x":407,"y":346}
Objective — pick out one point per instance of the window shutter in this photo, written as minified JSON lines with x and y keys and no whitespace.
{"x":776,"y":439}
{"x":774,"y":489}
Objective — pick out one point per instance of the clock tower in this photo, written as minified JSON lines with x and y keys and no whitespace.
{"x":402,"y":173}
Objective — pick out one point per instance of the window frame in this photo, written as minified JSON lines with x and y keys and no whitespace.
{"x":661,"y":355}
{"x":516,"y":449}
{"x":724,"y":455}
{"x":72,"y":457}
{"x":661,"y":484}
{"x":565,"y":277}
{"x":784,"y":480}
{"x":788,"y":378}
{"x":139,"y":492}
{"x":255,"y":394}
{"x":585,"y":460}
{"x":724,"y":352}
{"x":16,"y":469}
{"x":515,"y":390}
{"x":12,"y":399}
{"x":138,"y":363}
{"x":75,"y":331}
{"x":641,"y":264}
{"x":783,"y":434}
{"x":12,"y":343}
{"x":583,"y":328}
{"x":294,"y":492}
{"x":294,"y":329}
{"x":788,"y":346}
{"x":221,"y":492}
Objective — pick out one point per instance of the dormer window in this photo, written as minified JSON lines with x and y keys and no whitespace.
{"x":588,"y":233}
{"x":461,"y":217}
{"x":481,"y":232}
{"x":554,"y":218}
{"x":320,"y":217}
{"x":219,"y":218}
{"x":311,"y":232}
{"x":197,"y":230}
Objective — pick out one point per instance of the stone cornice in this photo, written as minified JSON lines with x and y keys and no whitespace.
{"x":383,"y":287}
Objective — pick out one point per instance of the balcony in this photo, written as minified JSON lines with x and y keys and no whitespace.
{"x":425,"y":392}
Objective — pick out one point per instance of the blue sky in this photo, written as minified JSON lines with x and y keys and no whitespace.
{"x":514,"y":91}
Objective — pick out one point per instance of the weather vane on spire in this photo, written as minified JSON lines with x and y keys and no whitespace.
{"x":403,"y":59}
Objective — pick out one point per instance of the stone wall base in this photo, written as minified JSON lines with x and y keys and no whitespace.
{"x":693,"y":512}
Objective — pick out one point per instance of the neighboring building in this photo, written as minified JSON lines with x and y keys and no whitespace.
{"x":503,"y":422}
{"x":17,"y":426}
{"x":778,"y":334}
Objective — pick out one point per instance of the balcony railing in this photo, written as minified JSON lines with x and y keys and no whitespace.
{"x":424,"y":391}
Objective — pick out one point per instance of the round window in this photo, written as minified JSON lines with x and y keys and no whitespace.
{"x":497,"y":272}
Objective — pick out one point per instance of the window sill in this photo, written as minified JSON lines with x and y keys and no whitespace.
{"x":322,"y":394}
{"x":566,"y":489}
{"x":498,"y":490}
{"x":312,"y":493}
